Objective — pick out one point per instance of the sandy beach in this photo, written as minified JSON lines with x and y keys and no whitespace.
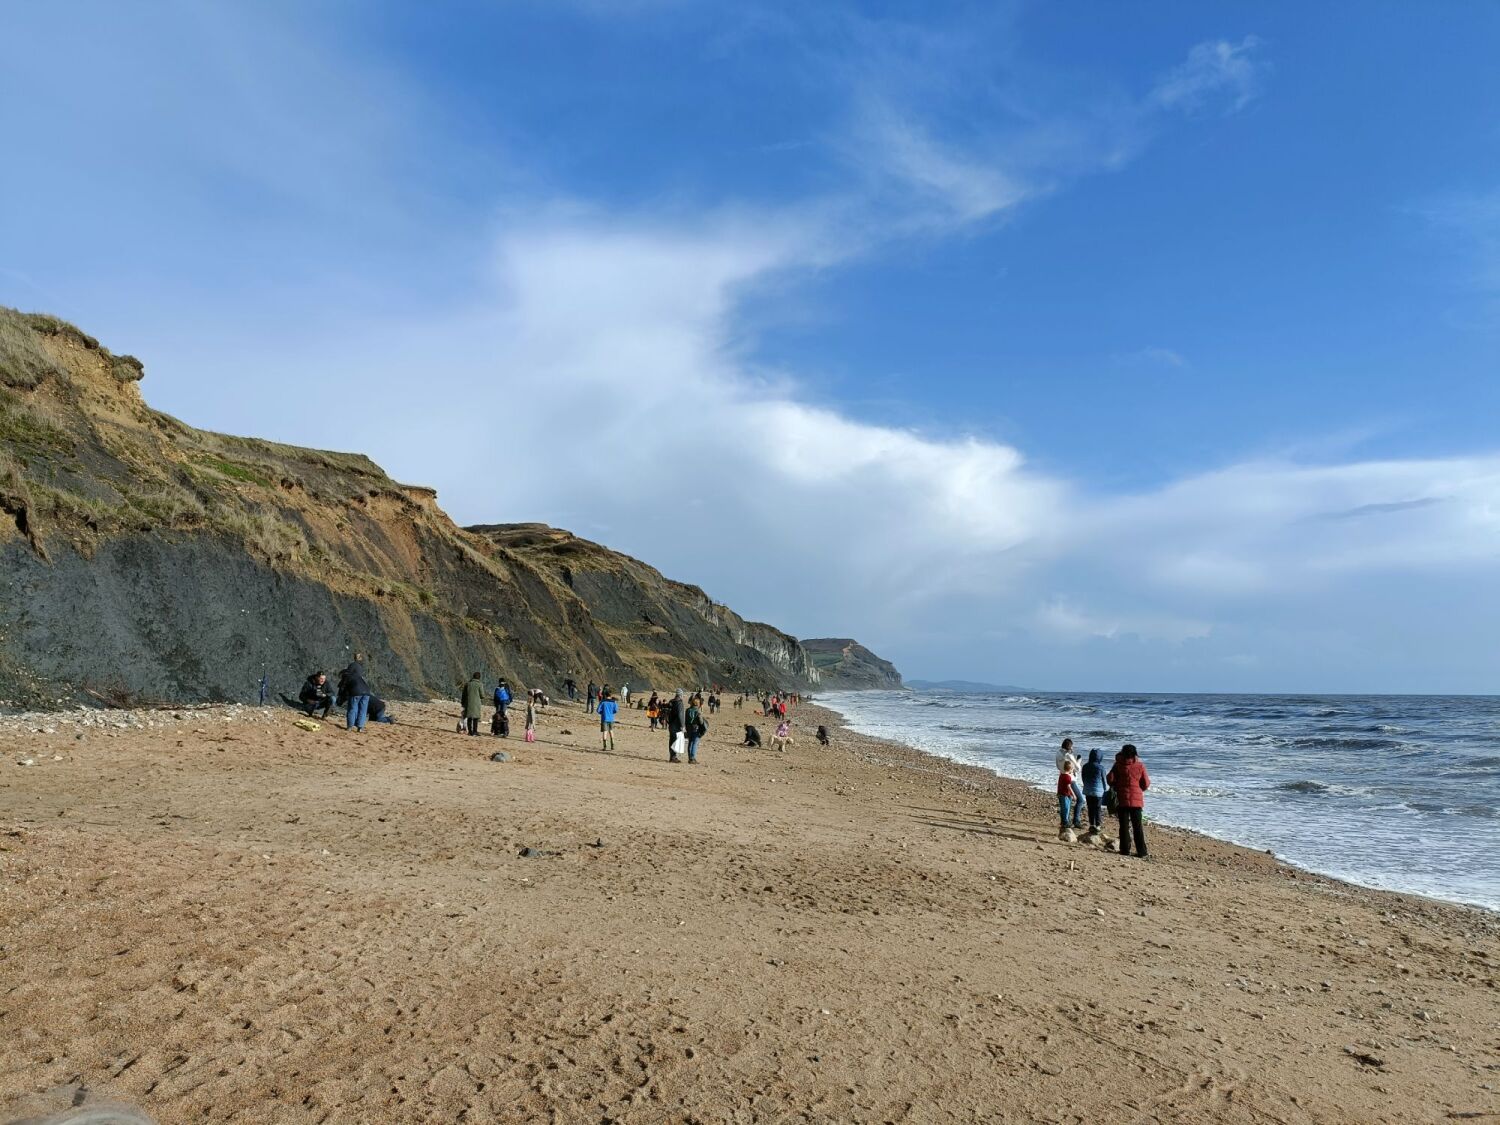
{"x":222,"y":917}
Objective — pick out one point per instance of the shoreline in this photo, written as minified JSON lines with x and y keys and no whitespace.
{"x":980,"y":777}
{"x":1154,"y":822}
{"x":226,"y":917}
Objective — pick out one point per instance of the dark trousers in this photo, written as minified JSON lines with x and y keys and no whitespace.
{"x":1094,"y":818}
{"x":1130,"y":823}
{"x":473,"y":725}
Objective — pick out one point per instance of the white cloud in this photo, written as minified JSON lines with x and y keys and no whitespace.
{"x":1213,"y":69}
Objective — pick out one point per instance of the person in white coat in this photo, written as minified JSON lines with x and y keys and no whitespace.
{"x":1066,"y":757}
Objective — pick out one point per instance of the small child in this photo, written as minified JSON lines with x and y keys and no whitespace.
{"x":531,"y":720}
{"x":783,"y":736}
{"x":1065,"y":786}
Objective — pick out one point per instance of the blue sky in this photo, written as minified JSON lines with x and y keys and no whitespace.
{"x":1139,"y":347}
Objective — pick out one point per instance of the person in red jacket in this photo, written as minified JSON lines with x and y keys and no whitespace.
{"x":1130,"y":781}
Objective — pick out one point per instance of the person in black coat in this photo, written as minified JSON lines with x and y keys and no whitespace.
{"x":315,"y":694}
{"x":354,"y":693}
{"x":676,"y":723}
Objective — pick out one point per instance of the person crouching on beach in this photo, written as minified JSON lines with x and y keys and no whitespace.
{"x":607,"y":709}
{"x":1065,"y":800}
{"x":783,"y":736}
{"x":1093,"y":790}
{"x":1130,"y":781}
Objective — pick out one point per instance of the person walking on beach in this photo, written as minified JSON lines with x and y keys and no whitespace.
{"x":696,"y":728}
{"x":1130,"y":781}
{"x":607,"y":709}
{"x":354,"y":690}
{"x":676,"y":724}
{"x":1066,"y":757}
{"x":593,"y":697}
{"x":472,"y":698}
{"x":1093,"y":790}
{"x":653,"y":710}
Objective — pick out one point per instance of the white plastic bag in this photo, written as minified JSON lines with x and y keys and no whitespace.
{"x":679,"y":745}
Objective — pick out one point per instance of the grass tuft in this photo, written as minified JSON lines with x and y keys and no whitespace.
{"x":24,"y":363}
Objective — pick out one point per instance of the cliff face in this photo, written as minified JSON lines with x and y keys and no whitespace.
{"x":144,"y":557}
{"x":652,"y":621}
{"x":848,"y":665}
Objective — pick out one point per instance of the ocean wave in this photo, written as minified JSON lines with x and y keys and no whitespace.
{"x":1334,"y":742}
{"x":1306,"y":785}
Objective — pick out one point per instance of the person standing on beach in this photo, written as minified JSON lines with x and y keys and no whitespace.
{"x":696,"y":728}
{"x":607,"y":709}
{"x":1130,"y":781}
{"x":472,"y":698}
{"x":1065,"y":786}
{"x":502,"y":701}
{"x":625,"y":696}
{"x":593,"y":697}
{"x":1093,"y":790}
{"x":676,"y":724}
{"x":1065,"y":758}
{"x":354,"y":690}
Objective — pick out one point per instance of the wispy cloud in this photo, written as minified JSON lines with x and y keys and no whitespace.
{"x":1230,"y":73}
{"x":964,"y":161}
{"x":1153,"y":356}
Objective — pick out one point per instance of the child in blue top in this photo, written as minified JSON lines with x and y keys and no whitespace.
{"x":607,"y":709}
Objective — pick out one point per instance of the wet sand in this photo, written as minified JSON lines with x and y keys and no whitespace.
{"x":243,"y":921}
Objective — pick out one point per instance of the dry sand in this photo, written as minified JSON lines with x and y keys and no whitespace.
{"x":244,"y":921}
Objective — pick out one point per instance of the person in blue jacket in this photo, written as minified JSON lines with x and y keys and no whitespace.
{"x":607,"y":709}
{"x":1093,"y":789}
{"x":501,"y":725}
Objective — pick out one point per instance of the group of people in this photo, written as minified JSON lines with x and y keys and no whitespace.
{"x":1120,"y":789}
{"x":361,"y":705}
{"x":681,"y":717}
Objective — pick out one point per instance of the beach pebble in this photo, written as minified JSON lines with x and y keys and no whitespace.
{"x":499,"y":756}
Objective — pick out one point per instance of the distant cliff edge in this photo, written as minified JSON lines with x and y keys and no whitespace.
{"x":846,"y":664}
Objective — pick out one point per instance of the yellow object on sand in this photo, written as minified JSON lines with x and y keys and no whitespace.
{"x":307,"y":724}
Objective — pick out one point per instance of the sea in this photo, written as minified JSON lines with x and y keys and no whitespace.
{"x":1395,"y":792}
